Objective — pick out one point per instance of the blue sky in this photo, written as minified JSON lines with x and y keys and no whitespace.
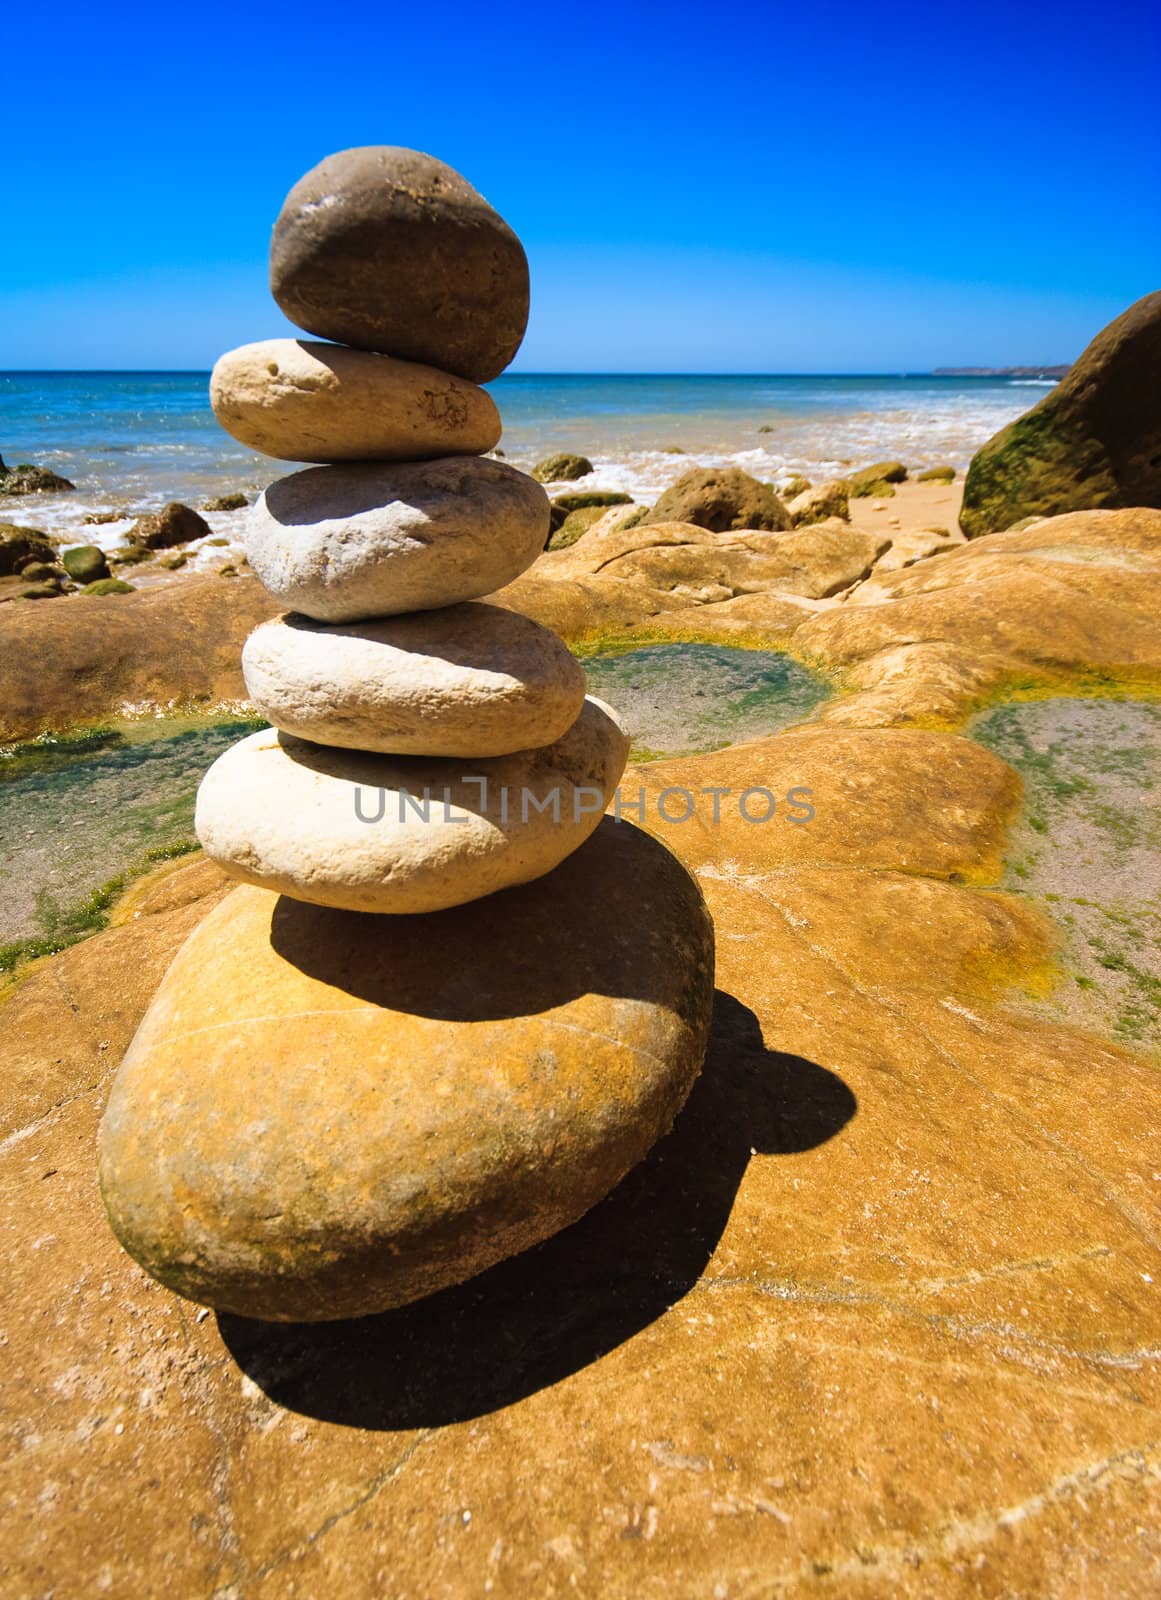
{"x":771,"y":188}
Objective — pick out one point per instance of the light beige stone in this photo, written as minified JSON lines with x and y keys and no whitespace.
{"x":467,"y":680}
{"x":369,"y":539}
{"x":336,"y":827}
{"x":300,"y":400}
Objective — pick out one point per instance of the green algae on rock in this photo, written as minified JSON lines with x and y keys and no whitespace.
{"x":83,"y":808}
{"x":869,"y":480}
{"x":85,"y":563}
{"x":104,"y":586}
{"x":1093,"y":443}
{"x":1087,"y":849}
{"x":682,"y":698}
{"x":573,"y":525}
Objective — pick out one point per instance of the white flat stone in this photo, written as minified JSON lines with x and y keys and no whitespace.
{"x":336,"y":827}
{"x":374,"y":539}
{"x":466,"y":680}
{"x":300,"y":400}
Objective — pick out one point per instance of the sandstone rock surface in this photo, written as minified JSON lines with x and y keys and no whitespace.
{"x":876,"y":1319}
{"x":698,"y":567}
{"x":467,"y":680}
{"x":159,"y":648}
{"x":1093,"y":443}
{"x":324,"y":1115}
{"x":303,"y":401}
{"x":1068,"y":597}
{"x":333,"y":827}
{"x":390,"y":250}
{"x":364,"y":540}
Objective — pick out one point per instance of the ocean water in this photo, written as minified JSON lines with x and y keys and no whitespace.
{"x":130,"y":441}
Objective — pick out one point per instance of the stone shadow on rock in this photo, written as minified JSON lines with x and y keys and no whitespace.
{"x":578,"y":930}
{"x":543,"y":1315}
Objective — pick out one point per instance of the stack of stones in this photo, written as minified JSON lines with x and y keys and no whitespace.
{"x":327,"y":1113}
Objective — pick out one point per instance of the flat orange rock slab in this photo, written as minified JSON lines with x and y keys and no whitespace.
{"x":878,"y":1318}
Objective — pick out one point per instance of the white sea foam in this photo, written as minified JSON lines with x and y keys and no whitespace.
{"x":132,"y":443}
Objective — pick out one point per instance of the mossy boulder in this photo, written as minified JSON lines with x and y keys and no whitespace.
{"x":722,"y":500}
{"x":19,"y":546}
{"x":174,"y":524}
{"x":86,"y":563}
{"x":574,"y":524}
{"x":866,"y":481}
{"x":831,"y":499}
{"x":871,"y":489}
{"x":130,"y":555}
{"x":108,"y":586}
{"x":227,"y":502}
{"x":562,"y":468}
{"x":1093,"y":443}
{"x":592,"y":497}
{"x":46,"y":590}
{"x":793,"y":486}
{"x":936,"y":475}
{"x":24,"y":478}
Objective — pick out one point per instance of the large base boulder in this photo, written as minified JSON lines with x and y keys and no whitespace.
{"x":325,"y":1114}
{"x":1093,"y":443}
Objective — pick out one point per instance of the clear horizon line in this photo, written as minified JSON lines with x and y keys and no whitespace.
{"x":965,"y":371}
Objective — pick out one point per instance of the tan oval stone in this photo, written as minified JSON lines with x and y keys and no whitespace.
{"x":336,"y":827}
{"x":300,"y":400}
{"x":324,"y":1115}
{"x":369,"y":539}
{"x":467,"y":680}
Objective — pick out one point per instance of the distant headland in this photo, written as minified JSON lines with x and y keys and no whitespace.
{"x":1002,"y":372}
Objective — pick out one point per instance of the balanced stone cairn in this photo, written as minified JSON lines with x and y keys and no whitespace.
{"x":324,"y":1113}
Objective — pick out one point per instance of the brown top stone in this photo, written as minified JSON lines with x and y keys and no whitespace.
{"x":388,"y":249}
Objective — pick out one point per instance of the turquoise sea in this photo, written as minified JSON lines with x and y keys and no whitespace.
{"x":131,"y":441}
